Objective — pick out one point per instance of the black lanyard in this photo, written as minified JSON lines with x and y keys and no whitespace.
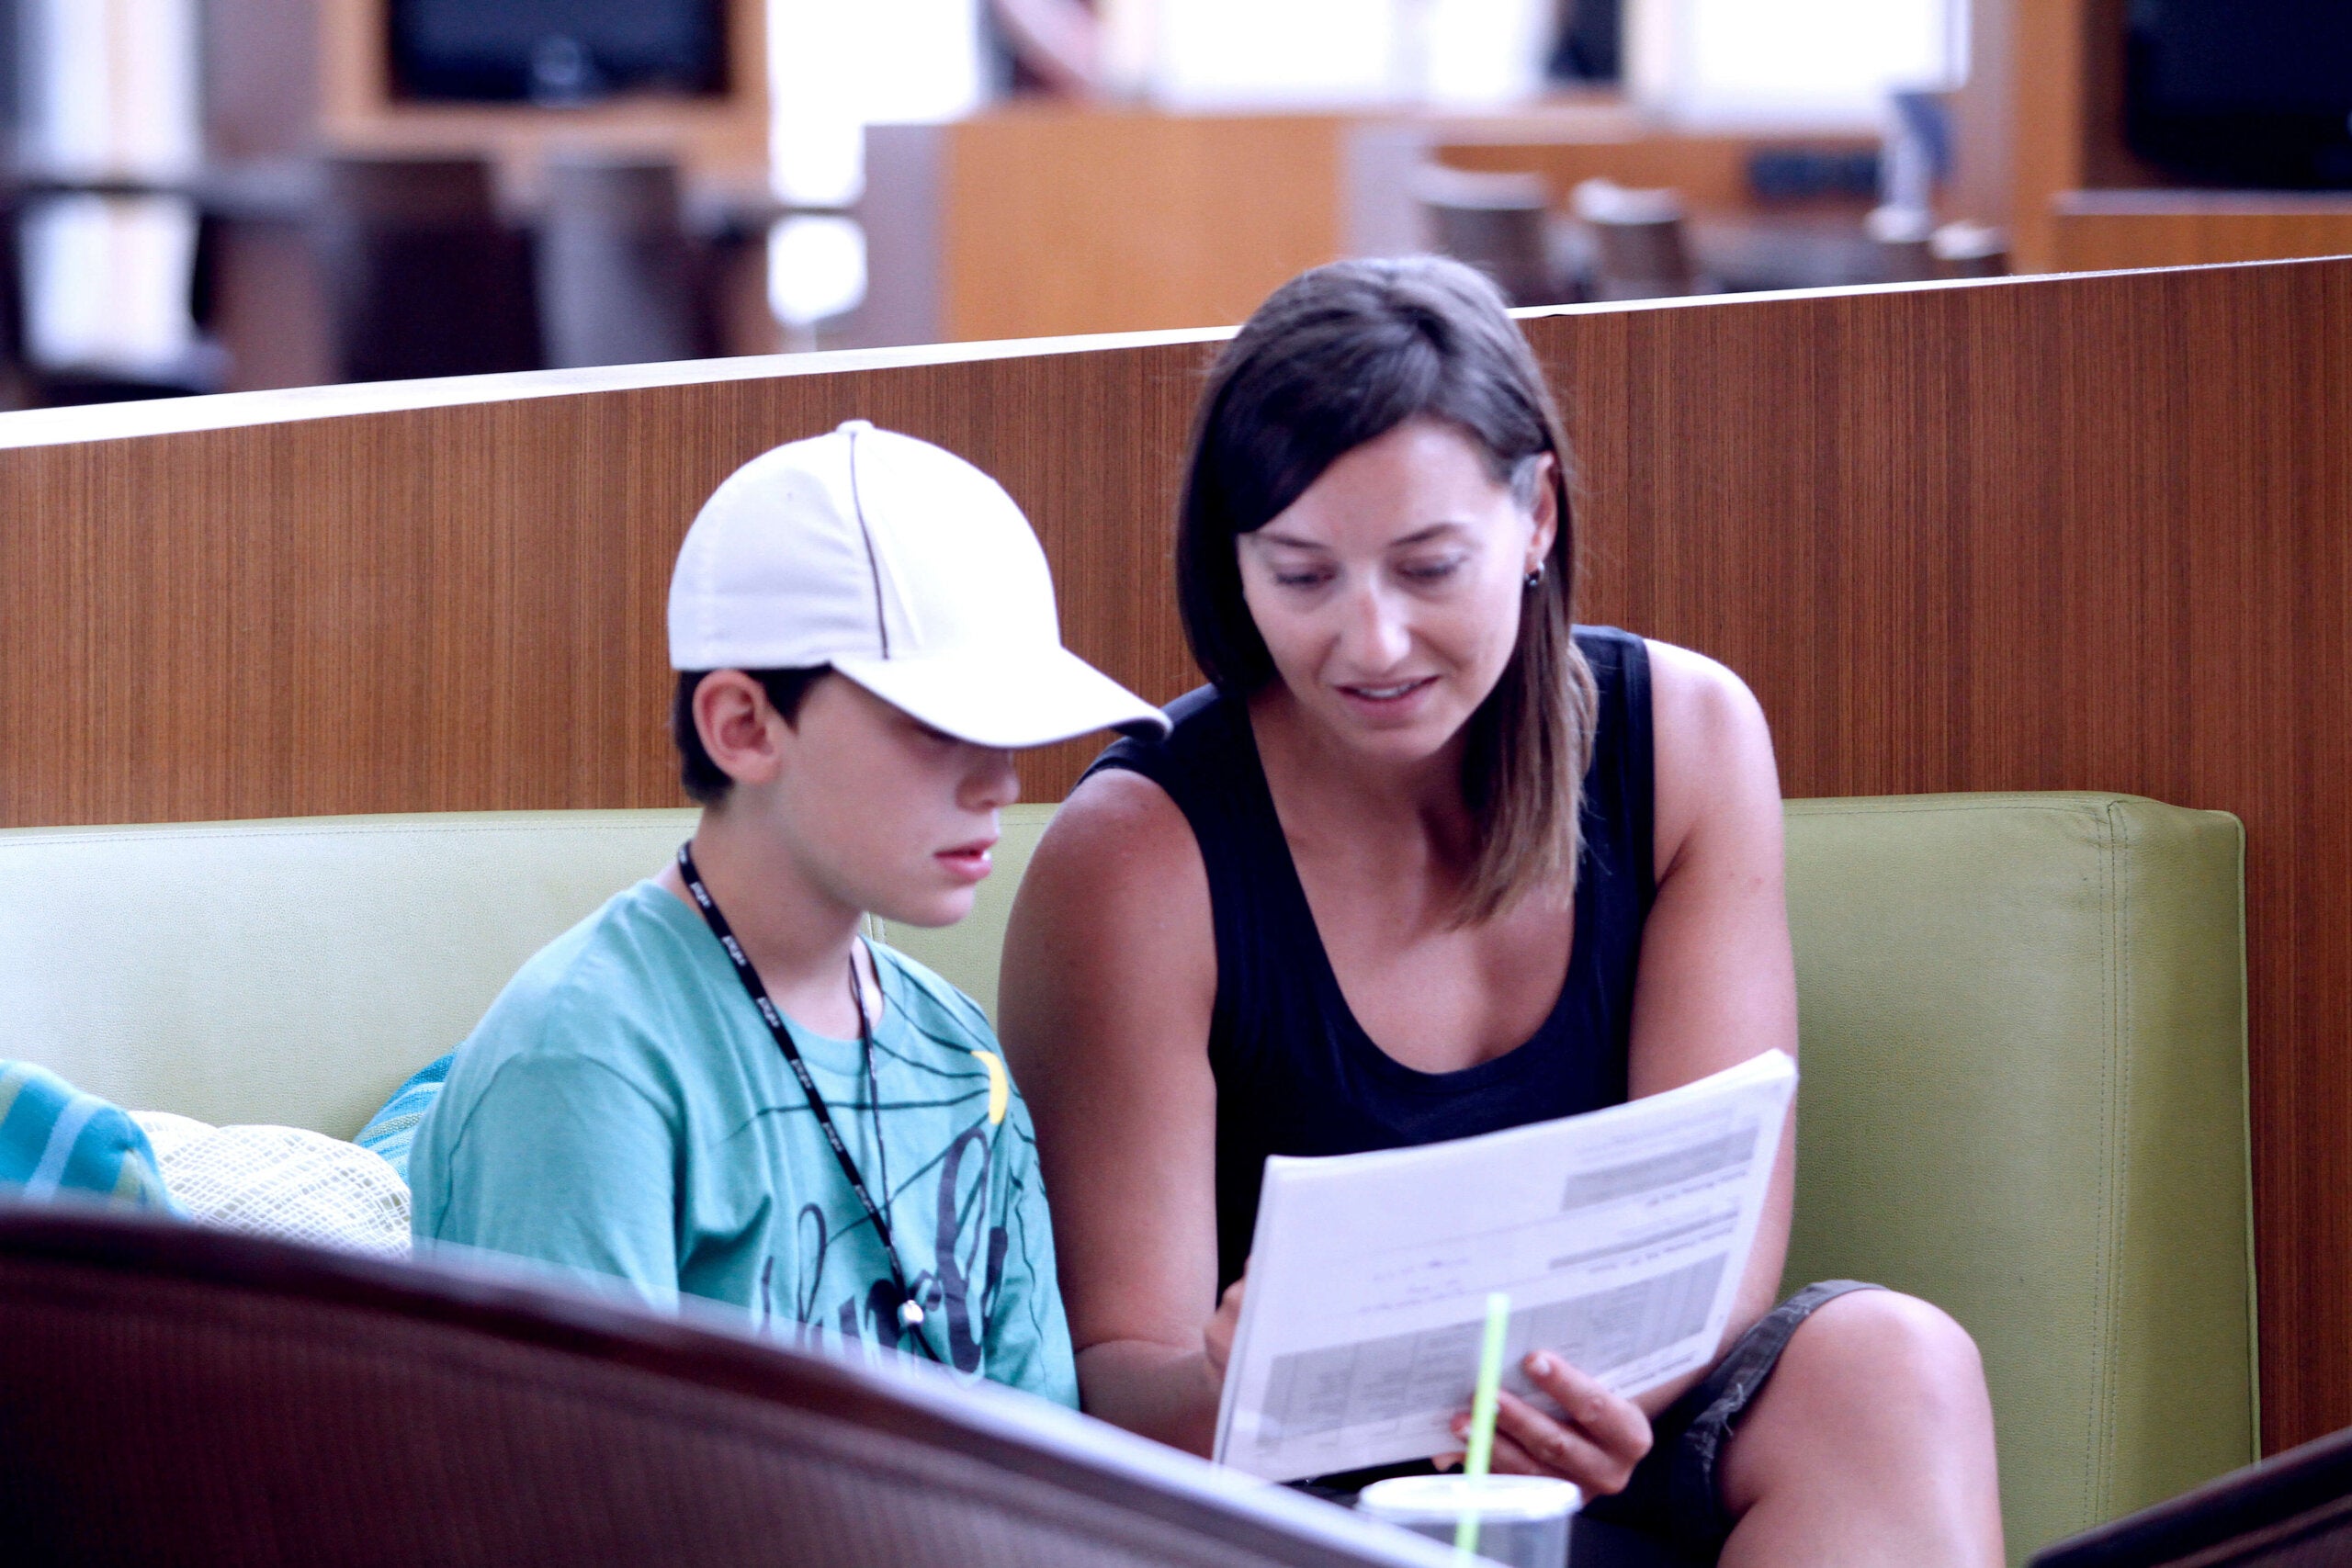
{"x":910,"y":1314}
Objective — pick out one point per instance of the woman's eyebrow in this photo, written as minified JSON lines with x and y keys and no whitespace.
{"x":1434,"y":530}
{"x":1290,"y":541}
{"x":1420,"y":536}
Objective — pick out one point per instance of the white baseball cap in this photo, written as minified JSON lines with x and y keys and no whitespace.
{"x":905,"y":569}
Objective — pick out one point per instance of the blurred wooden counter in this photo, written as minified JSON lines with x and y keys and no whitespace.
{"x":2093,"y":231}
{"x":1048,"y":220}
{"x":1058,"y":221}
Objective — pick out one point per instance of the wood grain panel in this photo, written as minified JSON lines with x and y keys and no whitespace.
{"x":2094,"y":231}
{"x":2078,"y":532}
{"x":460,"y":607}
{"x":1058,"y":219}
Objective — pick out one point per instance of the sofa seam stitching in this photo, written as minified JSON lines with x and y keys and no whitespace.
{"x":2126,"y":1034}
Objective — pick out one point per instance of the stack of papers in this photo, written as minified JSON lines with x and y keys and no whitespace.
{"x":1620,"y":1237}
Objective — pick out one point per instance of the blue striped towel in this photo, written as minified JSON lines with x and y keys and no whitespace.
{"x":54,"y":1138}
{"x":390,"y":1131}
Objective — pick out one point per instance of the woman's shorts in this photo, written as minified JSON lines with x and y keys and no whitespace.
{"x":1675,"y":1497}
{"x":1671,"y":1514}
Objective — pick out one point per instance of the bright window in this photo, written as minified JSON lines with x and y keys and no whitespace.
{"x":1813,"y":63}
{"x":836,"y":66}
{"x":1288,"y":53}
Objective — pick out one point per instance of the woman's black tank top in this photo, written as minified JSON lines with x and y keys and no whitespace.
{"x":1295,"y":1073}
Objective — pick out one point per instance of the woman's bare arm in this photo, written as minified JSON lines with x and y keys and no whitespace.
{"x":1109,"y":978}
{"x":1716,"y":986}
{"x":1717,"y":982}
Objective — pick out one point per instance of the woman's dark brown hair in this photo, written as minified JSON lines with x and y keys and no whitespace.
{"x":1337,"y":357}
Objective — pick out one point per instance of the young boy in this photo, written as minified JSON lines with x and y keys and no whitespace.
{"x":711,"y":1086}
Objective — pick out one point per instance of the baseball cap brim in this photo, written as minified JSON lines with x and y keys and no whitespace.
{"x":1012,"y":698}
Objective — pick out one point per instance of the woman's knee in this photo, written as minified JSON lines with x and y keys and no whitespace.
{"x":1897,"y":1351}
{"x":1873,"y":1384}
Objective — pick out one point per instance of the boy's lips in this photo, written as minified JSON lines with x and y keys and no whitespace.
{"x":967,"y":860}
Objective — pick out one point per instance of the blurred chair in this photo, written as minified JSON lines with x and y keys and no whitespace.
{"x":1901,"y":235}
{"x":1639,"y":252}
{"x":1969,"y":250}
{"x":14,"y":392}
{"x":1496,"y":222}
{"x":620,"y":282}
{"x":423,"y":279}
{"x":109,"y":275}
{"x":183,"y":1395}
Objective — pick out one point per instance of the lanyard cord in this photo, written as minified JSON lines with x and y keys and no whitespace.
{"x":911,"y":1312}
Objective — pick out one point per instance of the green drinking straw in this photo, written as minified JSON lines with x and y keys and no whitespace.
{"x":1482,"y":1418}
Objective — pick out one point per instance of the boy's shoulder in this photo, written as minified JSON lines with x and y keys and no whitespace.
{"x":609,"y":987}
{"x":934,"y":1007}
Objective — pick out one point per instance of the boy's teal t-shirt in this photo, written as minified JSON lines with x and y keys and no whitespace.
{"x":623,"y":1110}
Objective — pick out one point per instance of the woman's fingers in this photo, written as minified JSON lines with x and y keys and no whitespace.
{"x":1510,"y":1458}
{"x":1616,"y":1424}
{"x":1568,"y":1456}
{"x":1216,"y":1339}
{"x":1598,"y":1444}
{"x":1559,"y":1449}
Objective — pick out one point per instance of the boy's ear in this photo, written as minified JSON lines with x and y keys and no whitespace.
{"x":738,"y":727}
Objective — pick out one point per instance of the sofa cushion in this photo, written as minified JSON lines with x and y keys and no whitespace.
{"x":56,"y":1139}
{"x":392,"y":1130}
{"x":290,"y":972}
{"x":2024,"y":1098}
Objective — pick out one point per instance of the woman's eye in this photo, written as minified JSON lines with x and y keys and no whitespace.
{"x":1301,"y":578}
{"x":1429,"y":571}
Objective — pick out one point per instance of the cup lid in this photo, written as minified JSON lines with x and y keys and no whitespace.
{"x":1426,"y":1499}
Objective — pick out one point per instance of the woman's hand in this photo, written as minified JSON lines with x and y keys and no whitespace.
{"x":1595,"y":1444}
{"x":1217,"y":1338}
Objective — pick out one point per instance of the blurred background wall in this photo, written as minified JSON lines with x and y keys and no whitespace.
{"x":217,"y":195}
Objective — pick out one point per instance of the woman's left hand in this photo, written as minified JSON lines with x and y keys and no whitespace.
{"x":1595,"y":1444}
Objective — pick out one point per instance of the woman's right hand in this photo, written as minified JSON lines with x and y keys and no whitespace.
{"x":1216,"y":1337}
{"x":1594,"y":1441}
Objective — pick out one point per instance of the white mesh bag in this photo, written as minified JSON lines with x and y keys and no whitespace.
{"x":281,"y":1182}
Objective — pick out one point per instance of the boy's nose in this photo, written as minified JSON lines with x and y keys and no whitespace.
{"x":993,"y":782}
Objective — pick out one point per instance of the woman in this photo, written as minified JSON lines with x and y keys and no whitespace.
{"x":1424,"y":862}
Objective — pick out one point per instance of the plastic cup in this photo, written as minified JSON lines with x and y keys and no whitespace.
{"x":1523,"y":1519}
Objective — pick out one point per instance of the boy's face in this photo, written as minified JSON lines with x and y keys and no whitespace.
{"x":881,"y":812}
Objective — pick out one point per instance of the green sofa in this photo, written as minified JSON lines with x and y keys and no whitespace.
{"x":2023,"y":1049}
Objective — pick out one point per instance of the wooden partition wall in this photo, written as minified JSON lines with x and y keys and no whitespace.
{"x":2090,"y":531}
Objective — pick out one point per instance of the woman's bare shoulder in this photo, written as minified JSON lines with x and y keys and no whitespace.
{"x":1711,"y":750}
{"x":1698,"y":697}
{"x":1116,"y":891}
{"x":1116,"y":828}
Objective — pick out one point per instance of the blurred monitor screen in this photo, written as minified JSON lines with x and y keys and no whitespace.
{"x":557,"y":51}
{"x":2243,"y":92}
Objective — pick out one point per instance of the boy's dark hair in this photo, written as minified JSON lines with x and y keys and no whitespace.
{"x":706,"y":783}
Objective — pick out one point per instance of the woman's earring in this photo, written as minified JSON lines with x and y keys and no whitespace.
{"x":1535,"y":576}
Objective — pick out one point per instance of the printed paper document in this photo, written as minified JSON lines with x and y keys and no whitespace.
{"x":1620,"y":1235}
